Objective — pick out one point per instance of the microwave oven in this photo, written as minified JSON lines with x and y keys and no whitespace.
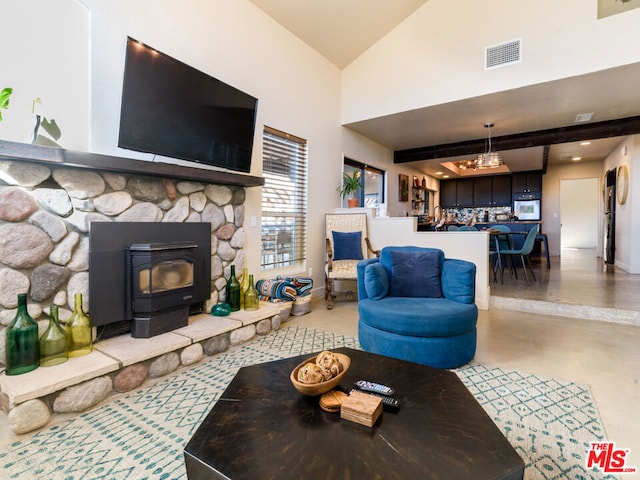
{"x":526,"y":209}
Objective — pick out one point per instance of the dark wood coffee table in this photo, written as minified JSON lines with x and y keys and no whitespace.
{"x":263,"y":428}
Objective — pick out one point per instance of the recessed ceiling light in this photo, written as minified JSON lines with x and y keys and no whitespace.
{"x":576,"y":159}
{"x":438,"y":173}
{"x":585,"y":143}
{"x":584,"y":117}
{"x":445,"y":176}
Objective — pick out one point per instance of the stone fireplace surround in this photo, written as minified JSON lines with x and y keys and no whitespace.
{"x":48,"y":197}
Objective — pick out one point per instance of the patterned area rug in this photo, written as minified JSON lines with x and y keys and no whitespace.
{"x":142,"y":435}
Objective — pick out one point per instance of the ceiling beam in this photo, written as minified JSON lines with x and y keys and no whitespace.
{"x":575,"y":133}
{"x":545,"y":157}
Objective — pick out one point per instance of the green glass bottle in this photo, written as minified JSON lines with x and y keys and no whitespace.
{"x":244,"y":284}
{"x":79,"y":333}
{"x":233,"y":291}
{"x":251,"y":296}
{"x":21,"y":341}
{"x":53,"y":342}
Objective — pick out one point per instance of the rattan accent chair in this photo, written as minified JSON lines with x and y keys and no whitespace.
{"x":347,"y":243}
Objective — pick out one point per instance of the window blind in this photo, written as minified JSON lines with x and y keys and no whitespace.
{"x":284,"y":200}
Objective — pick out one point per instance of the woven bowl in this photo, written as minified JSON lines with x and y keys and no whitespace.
{"x":315,"y":389}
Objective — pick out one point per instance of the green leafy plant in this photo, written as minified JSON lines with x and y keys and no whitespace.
{"x":350,"y":184}
{"x":4,"y":99}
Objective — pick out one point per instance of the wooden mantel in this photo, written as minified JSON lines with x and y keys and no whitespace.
{"x":94,"y":161}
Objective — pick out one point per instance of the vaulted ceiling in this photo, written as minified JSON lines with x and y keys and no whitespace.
{"x":533,"y":126}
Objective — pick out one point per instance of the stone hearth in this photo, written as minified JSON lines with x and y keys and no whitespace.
{"x":124,"y":363}
{"x":46,"y":210}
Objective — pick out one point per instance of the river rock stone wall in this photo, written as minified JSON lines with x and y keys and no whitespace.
{"x":45,"y":214}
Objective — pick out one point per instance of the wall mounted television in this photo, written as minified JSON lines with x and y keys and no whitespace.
{"x":174,"y":110}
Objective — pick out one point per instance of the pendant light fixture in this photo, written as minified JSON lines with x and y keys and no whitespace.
{"x":489,"y":159}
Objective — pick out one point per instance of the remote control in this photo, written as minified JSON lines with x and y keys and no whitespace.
{"x":374,"y":388}
{"x":388,"y":403}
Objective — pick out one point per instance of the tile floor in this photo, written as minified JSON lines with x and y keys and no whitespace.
{"x":605,"y":355}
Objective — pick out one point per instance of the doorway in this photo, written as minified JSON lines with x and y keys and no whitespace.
{"x":579,"y":214}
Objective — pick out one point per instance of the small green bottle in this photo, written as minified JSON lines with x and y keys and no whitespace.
{"x":79,"y":332}
{"x":21,"y":341}
{"x":233,"y":291}
{"x":244,"y":284}
{"x":251,"y":296}
{"x":53,"y":342}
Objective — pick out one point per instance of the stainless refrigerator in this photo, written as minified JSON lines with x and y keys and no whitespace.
{"x":609,"y":245}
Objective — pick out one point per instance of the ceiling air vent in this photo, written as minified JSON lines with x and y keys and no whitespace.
{"x":503,"y":54}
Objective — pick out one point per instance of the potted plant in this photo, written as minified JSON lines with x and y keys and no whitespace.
{"x":5,"y":94}
{"x":350,"y":185}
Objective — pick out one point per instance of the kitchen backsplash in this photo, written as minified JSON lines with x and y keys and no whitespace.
{"x":462,"y":215}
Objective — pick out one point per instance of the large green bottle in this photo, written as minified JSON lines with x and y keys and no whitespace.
{"x":79,"y":333}
{"x":233,"y":291}
{"x":21,"y":341}
{"x":53,"y":342}
{"x":251,"y":301}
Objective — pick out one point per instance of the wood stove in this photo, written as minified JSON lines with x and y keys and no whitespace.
{"x":146,"y":277}
{"x":159,"y":280}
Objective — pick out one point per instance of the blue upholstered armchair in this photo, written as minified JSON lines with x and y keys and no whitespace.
{"x":416,"y":305}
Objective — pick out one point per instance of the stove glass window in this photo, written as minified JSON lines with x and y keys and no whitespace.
{"x":164,"y":276}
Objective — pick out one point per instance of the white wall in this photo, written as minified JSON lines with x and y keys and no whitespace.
{"x":632,"y":208}
{"x":72,"y":56}
{"x":45,"y":53}
{"x":551,"y":208}
{"x":298,"y":90}
{"x":364,"y":150}
{"x":437,"y":54}
{"x":580,"y":213}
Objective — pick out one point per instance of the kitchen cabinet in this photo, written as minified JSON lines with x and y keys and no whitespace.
{"x":448,"y":193}
{"x":483,"y":191}
{"x":529,"y":182}
{"x":501,"y":190}
{"x":488,"y":191}
{"x":456,"y":193}
{"x":492,"y":191}
{"x":465,"y":193}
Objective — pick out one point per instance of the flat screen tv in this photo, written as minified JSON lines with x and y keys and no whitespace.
{"x":174,"y":110}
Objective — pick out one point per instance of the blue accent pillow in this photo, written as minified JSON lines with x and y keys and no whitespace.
{"x":376,"y":282}
{"x":415,"y":274}
{"x":347,"y":245}
{"x":459,"y":280}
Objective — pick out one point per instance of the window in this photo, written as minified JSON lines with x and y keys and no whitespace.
{"x":372,"y":196}
{"x":284,"y":200}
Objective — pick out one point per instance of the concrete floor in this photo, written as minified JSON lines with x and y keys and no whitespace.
{"x":578,"y":277}
{"x":602,"y":354}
